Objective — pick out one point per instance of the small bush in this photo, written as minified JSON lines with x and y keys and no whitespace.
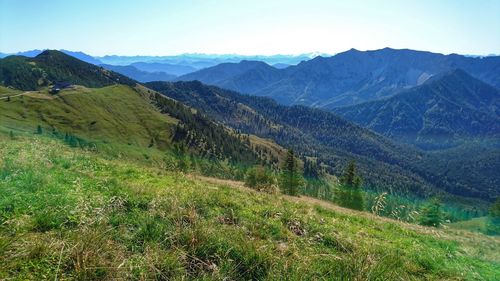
{"x":431,"y":214}
{"x":260,"y":179}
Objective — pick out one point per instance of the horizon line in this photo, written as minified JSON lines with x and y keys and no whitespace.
{"x":319,"y":53}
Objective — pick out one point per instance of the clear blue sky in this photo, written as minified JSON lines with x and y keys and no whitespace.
{"x":148,"y":27}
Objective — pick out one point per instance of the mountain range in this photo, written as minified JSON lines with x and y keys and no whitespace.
{"x":148,"y":68}
{"x":348,"y":78}
{"x":200,"y":61}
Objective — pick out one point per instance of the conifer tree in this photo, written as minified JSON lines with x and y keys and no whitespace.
{"x":291,"y":179}
{"x":431,"y":214}
{"x":39,"y":130}
{"x":493,"y":222}
{"x":350,"y":194}
{"x":495,"y":209}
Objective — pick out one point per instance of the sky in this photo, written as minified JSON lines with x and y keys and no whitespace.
{"x":253,"y":27}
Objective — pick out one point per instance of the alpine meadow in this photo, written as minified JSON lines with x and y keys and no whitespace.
{"x":249,"y":140}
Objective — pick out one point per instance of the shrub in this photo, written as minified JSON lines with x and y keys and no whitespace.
{"x":431,"y":214}
{"x":260,"y":179}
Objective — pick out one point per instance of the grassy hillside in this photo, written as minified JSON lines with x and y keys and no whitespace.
{"x":68,"y":213}
{"x":475,"y":224}
{"x":132,"y":122}
{"x":114,"y":113}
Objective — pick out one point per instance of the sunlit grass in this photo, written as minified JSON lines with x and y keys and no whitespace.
{"x":75,"y":214}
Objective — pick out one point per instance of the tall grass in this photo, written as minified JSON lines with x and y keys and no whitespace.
{"x":71,"y":213}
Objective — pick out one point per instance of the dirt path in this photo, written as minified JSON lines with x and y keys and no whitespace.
{"x":13,"y":96}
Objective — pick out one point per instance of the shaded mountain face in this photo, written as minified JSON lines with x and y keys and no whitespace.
{"x":172,"y":69}
{"x":347,"y":78}
{"x":54,"y":66}
{"x":245,"y":76}
{"x":448,"y":108}
{"x":333,"y":140}
{"x":139,"y":75}
{"x":82,"y":56}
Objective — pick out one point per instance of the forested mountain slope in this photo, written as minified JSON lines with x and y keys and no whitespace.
{"x":321,"y":134}
{"x":447,"y":109}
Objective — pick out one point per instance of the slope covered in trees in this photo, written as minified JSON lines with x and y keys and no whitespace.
{"x":448,"y":109}
{"x":333,"y":140}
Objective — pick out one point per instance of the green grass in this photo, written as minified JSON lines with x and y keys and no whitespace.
{"x":67,"y":213}
{"x":475,"y":224}
{"x":5,"y":92}
{"x":115,"y":114}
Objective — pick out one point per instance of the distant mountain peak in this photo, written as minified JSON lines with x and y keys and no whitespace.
{"x":253,"y":63}
{"x":52,"y":66}
{"x":51,"y":53}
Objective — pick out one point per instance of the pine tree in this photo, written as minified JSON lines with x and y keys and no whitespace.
{"x":431,"y":214}
{"x":291,"y":180}
{"x":11,"y":134}
{"x":39,"y":130}
{"x":311,"y":169}
{"x":350,"y":194}
{"x":493,"y":222}
{"x":495,"y":209}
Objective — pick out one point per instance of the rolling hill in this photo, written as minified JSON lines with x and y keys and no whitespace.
{"x":449,"y":108}
{"x":347,"y":78}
